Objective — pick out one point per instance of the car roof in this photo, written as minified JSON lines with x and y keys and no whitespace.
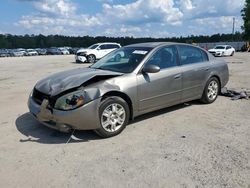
{"x":107,"y":43}
{"x":222,"y":45}
{"x":154,"y":44}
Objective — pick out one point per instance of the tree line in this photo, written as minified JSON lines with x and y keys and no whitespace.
{"x":245,"y":13}
{"x":40,"y":41}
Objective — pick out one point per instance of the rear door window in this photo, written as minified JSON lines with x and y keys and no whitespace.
{"x":191,"y":55}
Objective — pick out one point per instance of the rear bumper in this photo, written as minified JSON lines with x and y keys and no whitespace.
{"x":83,"y":118}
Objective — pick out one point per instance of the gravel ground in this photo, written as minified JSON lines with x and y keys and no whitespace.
{"x":189,"y":145}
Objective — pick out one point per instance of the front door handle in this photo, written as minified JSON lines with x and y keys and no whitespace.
{"x":206,"y":69}
{"x":178,"y":76}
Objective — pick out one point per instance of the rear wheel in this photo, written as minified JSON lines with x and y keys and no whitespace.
{"x":113,"y":115}
{"x":211,"y":91}
{"x":232,"y":54}
{"x":91,"y":58}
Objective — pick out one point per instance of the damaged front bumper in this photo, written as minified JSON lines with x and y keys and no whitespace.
{"x":80,"y":59}
{"x":83,"y":118}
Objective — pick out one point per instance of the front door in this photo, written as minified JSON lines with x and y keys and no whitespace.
{"x":102,"y":51}
{"x":156,"y":90}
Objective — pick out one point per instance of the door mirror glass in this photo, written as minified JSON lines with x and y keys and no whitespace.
{"x":151,"y":69}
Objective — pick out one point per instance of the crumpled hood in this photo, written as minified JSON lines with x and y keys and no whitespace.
{"x":60,"y":82}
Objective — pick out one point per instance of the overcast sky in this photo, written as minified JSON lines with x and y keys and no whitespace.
{"x":138,"y":18}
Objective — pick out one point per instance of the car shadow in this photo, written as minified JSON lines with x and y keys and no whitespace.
{"x":163,"y":111}
{"x":36,"y":132}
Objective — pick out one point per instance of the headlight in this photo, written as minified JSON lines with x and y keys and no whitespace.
{"x":71,"y":101}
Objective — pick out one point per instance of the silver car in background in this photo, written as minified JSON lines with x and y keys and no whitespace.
{"x":126,"y":83}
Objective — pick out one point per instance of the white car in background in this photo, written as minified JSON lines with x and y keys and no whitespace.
{"x":64,"y":51}
{"x":96,"y":51}
{"x":31,"y":52}
{"x":222,"y":50}
{"x":19,"y":52}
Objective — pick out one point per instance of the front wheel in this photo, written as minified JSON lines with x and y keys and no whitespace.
{"x":113,"y":115}
{"x":211,"y":91}
{"x":91,"y":58}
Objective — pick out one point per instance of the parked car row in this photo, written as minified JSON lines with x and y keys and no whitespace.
{"x":38,"y":51}
{"x":94,"y":52}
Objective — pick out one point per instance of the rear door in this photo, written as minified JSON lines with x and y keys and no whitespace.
{"x":157,"y":90}
{"x":195,"y":71}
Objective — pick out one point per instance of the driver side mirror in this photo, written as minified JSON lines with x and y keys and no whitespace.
{"x":151,"y":69}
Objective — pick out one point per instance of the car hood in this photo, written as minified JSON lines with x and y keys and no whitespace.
{"x":63,"y":81}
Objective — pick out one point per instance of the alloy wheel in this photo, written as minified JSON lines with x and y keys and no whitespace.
{"x":212,"y":90}
{"x":113,"y":117}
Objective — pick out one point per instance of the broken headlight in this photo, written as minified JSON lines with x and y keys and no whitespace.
{"x":71,"y":101}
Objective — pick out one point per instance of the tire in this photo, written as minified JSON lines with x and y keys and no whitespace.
{"x":111,"y":122}
{"x":211,"y":91}
{"x":232,"y":54}
{"x":91,"y":58}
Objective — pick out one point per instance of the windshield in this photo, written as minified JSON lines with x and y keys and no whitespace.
{"x":220,"y":47}
{"x":94,"y":46}
{"x":123,"y":60}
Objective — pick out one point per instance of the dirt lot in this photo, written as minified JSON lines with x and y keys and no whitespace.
{"x":191,"y":145}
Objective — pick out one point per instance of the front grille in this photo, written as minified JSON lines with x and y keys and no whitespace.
{"x":38,"y":96}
